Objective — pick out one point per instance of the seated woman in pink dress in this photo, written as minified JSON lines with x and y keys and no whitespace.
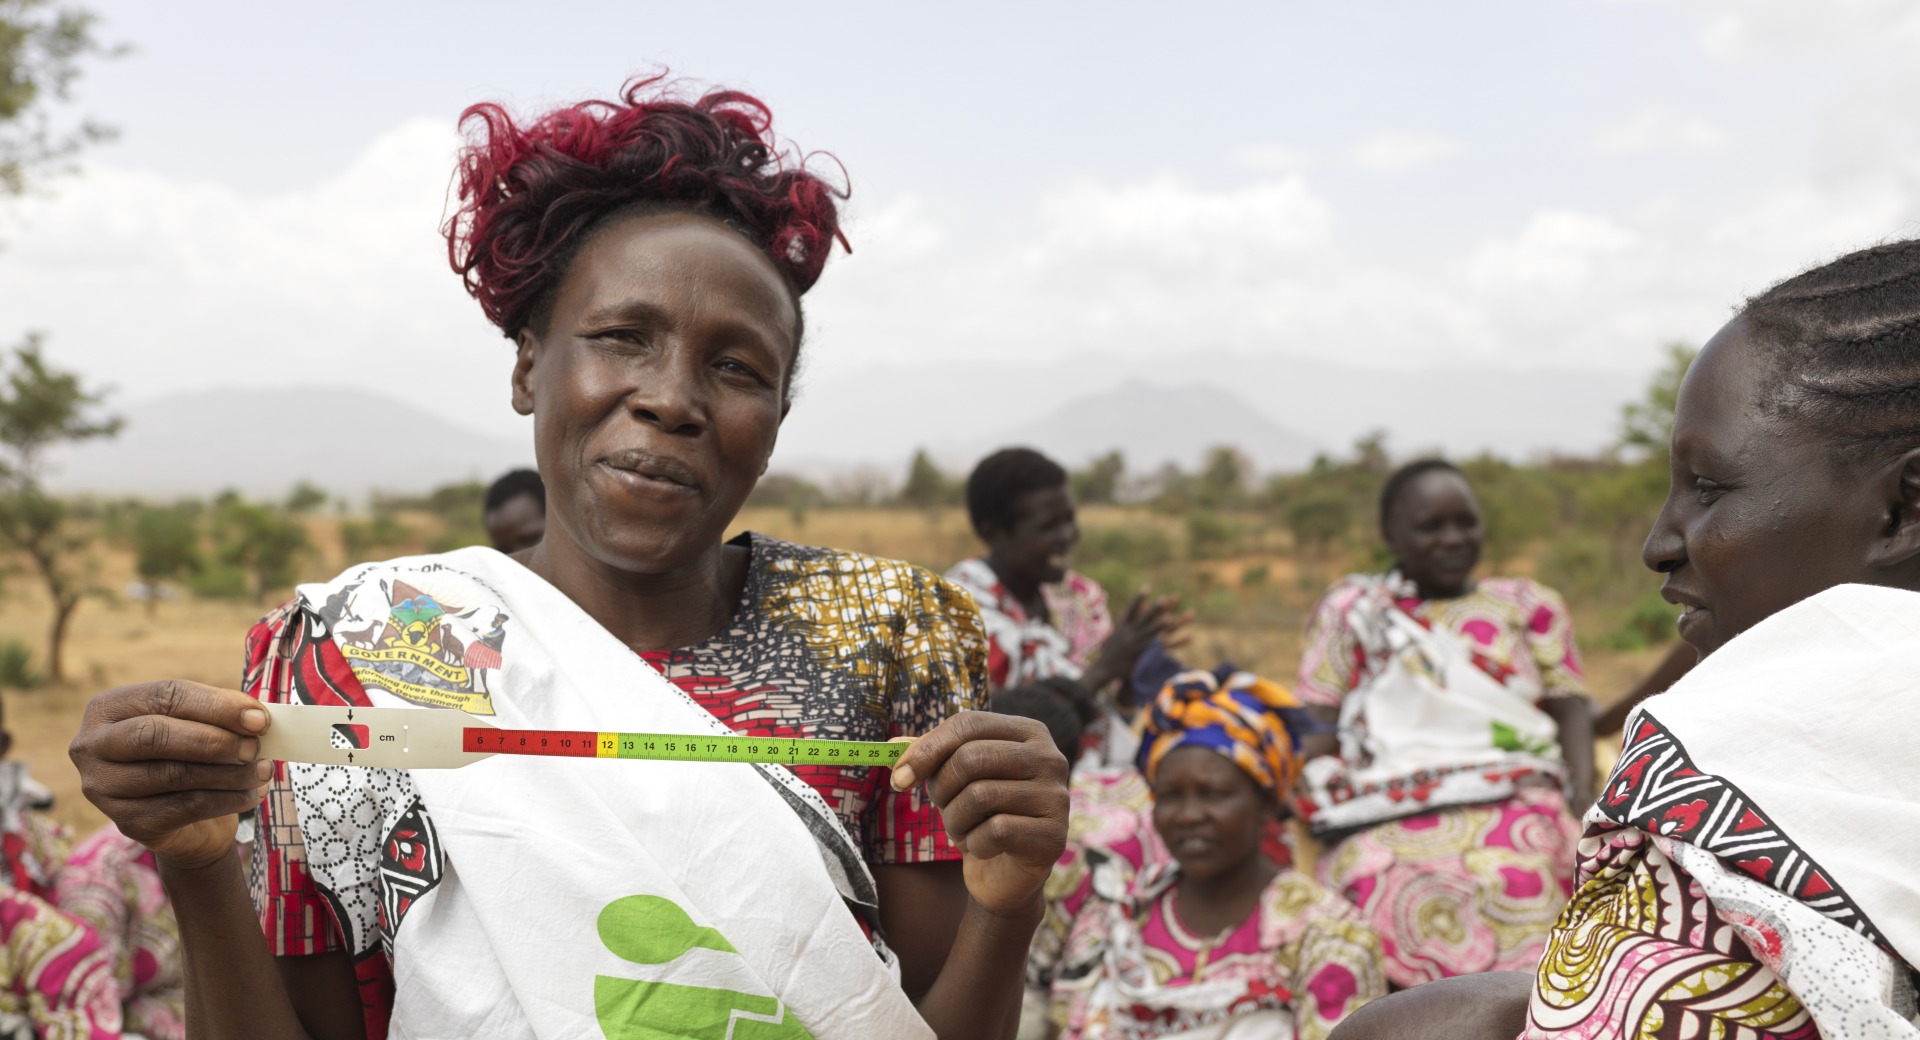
{"x":1203,"y":936}
{"x":1464,"y":733}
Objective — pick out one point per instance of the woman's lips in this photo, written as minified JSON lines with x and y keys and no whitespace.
{"x":654,"y":474}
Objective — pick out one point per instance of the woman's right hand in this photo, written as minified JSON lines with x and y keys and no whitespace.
{"x":1146,"y":619}
{"x":172,"y":763}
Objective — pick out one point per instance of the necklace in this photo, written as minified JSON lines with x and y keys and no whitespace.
{"x":1207,"y":945}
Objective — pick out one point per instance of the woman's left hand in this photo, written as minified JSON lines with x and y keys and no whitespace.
{"x":1001,"y":787}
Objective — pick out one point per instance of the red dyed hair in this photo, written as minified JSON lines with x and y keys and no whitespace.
{"x":531,"y":194}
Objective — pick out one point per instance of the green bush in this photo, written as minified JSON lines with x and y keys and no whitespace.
{"x":1139,"y":547}
{"x":16,"y":667}
{"x":1319,"y":519}
{"x":1211,"y":537}
{"x":222,"y":581}
{"x":1647,"y":622}
{"x":1578,"y":566}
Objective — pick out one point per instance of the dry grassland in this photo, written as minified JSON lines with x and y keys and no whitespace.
{"x":116,"y":642}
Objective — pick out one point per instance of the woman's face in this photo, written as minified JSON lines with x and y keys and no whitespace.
{"x":1761,"y":512}
{"x":1434,"y":533}
{"x":1208,"y":811}
{"x":1038,"y":546}
{"x":657,"y":389}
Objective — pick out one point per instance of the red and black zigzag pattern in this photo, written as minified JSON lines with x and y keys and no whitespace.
{"x":320,"y":672}
{"x":411,"y":864}
{"x":1656,"y":789}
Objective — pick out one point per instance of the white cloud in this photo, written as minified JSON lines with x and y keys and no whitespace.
{"x":1745,"y":28}
{"x":1273,"y":158}
{"x":158,"y":283}
{"x":154,"y":283}
{"x":1657,"y":127}
{"x":1400,"y":151}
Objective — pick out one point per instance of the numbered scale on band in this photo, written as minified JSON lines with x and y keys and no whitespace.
{"x":443,"y":738}
{"x":679,"y":747}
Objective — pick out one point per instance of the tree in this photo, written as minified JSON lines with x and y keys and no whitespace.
{"x":262,"y":541}
{"x":1319,"y":519}
{"x":305,"y":498}
{"x":39,"y":408}
{"x":1099,"y":483}
{"x":928,"y":487}
{"x":41,"y":48}
{"x":166,"y":544}
{"x":1223,"y":478}
{"x":1647,"y":425}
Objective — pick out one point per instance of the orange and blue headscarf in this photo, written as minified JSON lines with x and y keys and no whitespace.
{"x":1253,"y":721}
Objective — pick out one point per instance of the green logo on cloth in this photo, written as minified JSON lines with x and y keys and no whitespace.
{"x":652,"y":930}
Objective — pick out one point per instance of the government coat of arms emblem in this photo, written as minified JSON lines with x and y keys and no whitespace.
{"x":425,"y":642}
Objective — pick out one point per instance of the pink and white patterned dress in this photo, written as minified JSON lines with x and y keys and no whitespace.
{"x":1131,"y":969}
{"x":1471,"y":888}
{"x":112,"y":883}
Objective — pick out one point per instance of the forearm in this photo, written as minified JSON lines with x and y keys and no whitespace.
{"x":1574,"y":714}
{"x":978,"y":991}
{"x":233,"y":988}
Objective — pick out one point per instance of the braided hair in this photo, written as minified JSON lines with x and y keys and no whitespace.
{"x":1844,"y":342}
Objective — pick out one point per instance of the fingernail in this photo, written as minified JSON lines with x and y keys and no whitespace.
{"x":263,"y":769}
{"x":249,"y":750}
{"x":902,"y":776}
{"x":261,"y":794}
{"x":253,"y":719}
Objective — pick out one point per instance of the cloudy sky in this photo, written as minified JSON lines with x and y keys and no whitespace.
{"x":1535,"y":184}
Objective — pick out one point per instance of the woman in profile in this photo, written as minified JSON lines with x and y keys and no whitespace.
{"x":647,"y":256}
{"x":1464,"y":735}
{"x":1748,"y":869}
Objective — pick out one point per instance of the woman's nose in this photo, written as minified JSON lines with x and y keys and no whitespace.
{"x":1665,"y":549}
{"x":670,"y":396}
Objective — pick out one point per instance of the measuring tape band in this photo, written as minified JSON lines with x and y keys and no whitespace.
{"x":679,"y":747}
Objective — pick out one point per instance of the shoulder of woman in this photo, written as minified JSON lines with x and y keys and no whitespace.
{"x":1295,"y":902}
{"x":1342,"y":593}
{"x":873,"y":585}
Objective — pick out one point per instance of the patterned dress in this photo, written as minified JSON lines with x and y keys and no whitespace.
{"x":1130,"y":969}
{"x":56,"y":979}
{"x":112,"y":883}
{"x":1024,"y":649}
{"x":824,"y":643}
{"x":1468,"y":889}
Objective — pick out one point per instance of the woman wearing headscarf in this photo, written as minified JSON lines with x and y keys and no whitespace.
{"x":1211,"y":939}
{"x":647,"y":256}
{"x":1464,"y":734}
{"x":1749,"y":870}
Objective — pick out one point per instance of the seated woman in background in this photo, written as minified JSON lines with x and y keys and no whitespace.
{"x":1749,"y":868}
{"x":1464,"y":730}
{"x":1213,"y":939}
{"x":1043,"y":620}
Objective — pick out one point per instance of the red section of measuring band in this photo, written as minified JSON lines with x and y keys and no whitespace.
{"x":567,"y":743}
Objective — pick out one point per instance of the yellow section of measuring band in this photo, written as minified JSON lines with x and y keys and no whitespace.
{"x":606,"y":745}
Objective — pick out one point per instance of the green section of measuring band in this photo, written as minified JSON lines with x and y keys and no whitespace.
{"x":680,"y":747}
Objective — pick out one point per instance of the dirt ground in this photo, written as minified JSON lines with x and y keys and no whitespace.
{"x":118,"y":642}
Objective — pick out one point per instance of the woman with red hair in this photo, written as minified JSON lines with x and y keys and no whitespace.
{"x":647,"y":256}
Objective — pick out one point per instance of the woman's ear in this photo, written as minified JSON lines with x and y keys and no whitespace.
{"x":1899,"y":544}
{"x":527,"y":350}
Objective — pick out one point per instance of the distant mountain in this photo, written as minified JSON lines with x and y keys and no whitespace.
{"x":877,"y":415}
{"x":1277,"y":408}
{"x":1151,"y":426}
{"x":264,"y":441}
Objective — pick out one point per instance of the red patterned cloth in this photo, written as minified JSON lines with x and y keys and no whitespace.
{"x":823,"y":644}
